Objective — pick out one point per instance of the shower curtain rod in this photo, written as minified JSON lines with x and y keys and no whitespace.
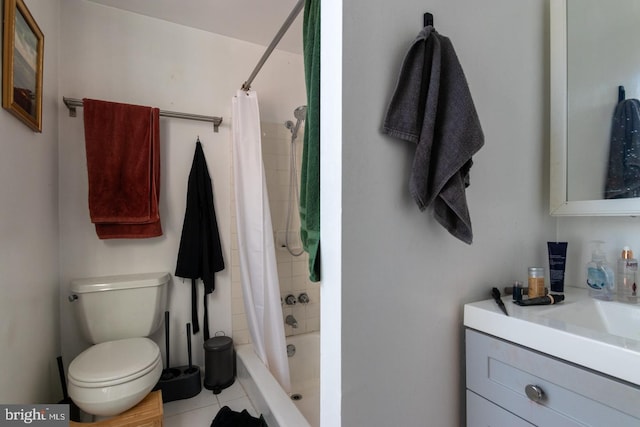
{"x":285,"y":26}
{"x":72,"y":103}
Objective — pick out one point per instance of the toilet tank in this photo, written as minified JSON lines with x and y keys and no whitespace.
{"x":116,"y":307}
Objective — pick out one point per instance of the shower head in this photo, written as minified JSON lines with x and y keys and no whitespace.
{"x":300,"y":113}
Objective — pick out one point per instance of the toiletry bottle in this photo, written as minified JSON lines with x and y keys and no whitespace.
{"x":536,"y":282}
{"x":626,"y":277}
{"x":599,"y":275}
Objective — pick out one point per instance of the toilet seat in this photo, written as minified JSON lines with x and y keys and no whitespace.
{"x":114,"y":362}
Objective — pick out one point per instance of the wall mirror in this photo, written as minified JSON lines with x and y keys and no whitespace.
{"x":595,"y":84}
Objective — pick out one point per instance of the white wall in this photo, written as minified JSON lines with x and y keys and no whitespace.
{"x":331,"y":171}
{"x":580,"y":232}
{"x":29,"y":333}
{"x":404,"y":279}
{"x":120,"y":56}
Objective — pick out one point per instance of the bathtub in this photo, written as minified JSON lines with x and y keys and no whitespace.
{"x":268,"y":398}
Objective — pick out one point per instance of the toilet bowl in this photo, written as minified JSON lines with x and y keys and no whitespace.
{"x":111,"y":377}
{"x":117,"y":314}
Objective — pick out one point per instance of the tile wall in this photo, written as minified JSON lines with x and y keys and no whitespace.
{"x":292,"y":270}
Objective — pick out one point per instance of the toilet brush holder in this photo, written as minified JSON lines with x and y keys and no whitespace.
{"x":182,"y":382}
{"x":185,"y":383}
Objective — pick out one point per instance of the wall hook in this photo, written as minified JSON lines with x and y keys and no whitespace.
{"x":428,"y":19}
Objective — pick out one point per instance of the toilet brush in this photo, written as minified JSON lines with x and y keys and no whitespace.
{"x":190,"y":369}
{"x":168,"y":372}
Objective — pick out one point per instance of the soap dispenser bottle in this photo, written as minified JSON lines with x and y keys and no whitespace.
{"x":626,"y":277}
{"x":599,"y":275}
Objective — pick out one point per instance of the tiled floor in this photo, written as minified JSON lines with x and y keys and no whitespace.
{"x":200,"y":410}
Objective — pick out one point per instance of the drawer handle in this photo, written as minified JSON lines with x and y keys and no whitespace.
{"x":534,"y":393}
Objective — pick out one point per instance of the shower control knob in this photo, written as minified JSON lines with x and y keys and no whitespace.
{"x":290,"y":300}
{"x":303,"y":298}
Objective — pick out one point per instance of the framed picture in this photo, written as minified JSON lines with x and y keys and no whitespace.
{"x":23,"y":52}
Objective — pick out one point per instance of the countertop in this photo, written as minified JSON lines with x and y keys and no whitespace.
{"x":609,"y":354}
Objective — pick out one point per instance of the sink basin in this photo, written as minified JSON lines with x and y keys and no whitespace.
{"x":600,"y":335}
{"x":607,"y":317}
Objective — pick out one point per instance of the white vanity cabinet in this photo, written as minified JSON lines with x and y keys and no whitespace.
{"x":509,"y":385}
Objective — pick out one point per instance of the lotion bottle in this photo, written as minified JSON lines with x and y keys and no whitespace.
{"x":627,"y":277}
{"x":599,"y":275}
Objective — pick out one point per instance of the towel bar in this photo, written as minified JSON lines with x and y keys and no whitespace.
{"x":72,"y":104}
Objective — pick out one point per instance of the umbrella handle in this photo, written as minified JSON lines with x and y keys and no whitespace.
{"x":63,"y":380}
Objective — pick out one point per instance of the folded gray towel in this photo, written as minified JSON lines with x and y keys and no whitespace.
{"x":432,"y":107}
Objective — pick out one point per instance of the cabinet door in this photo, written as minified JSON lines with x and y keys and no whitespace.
{"x":569,"y":396}
{"x":482,"y":413}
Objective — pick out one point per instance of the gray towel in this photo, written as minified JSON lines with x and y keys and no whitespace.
{"x":432,"y":107}
{"x":623,"y":175}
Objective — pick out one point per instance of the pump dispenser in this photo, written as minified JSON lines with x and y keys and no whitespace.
{"x":626,"y":277}
{"x":599,"y":274}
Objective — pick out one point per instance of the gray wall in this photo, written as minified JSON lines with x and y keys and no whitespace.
{"x":29,"y":329}
{"x":404,"y":279}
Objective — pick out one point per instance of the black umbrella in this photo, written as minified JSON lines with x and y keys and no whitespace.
{"x":200,"y":253}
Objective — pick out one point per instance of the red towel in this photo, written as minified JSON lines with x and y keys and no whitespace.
{"x":123,"y":164}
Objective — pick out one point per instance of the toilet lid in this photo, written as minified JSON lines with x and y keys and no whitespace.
{"x":114,"y":362}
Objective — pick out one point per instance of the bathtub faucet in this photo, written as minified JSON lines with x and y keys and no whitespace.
{"x":290,"y":320}
{"x":303,"y":298}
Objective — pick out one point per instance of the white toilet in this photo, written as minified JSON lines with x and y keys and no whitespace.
{"x":117,"y":313}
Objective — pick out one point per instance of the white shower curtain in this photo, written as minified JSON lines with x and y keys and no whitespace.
{"x":258,"y":268}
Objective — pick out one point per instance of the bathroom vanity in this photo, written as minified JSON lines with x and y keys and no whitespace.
{"x":570,"y":364}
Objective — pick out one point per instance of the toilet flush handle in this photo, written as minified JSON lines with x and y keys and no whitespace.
{"x":73,"y":297}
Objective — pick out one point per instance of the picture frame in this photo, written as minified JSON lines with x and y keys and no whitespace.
{"x":22,"y":59}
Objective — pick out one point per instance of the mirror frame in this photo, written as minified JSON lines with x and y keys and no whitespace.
{"x":559,"y":205}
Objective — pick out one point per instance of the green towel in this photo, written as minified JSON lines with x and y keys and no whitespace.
{"x":310,"y":179}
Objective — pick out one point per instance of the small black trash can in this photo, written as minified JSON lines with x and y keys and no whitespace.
{"x":219,"y":363}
